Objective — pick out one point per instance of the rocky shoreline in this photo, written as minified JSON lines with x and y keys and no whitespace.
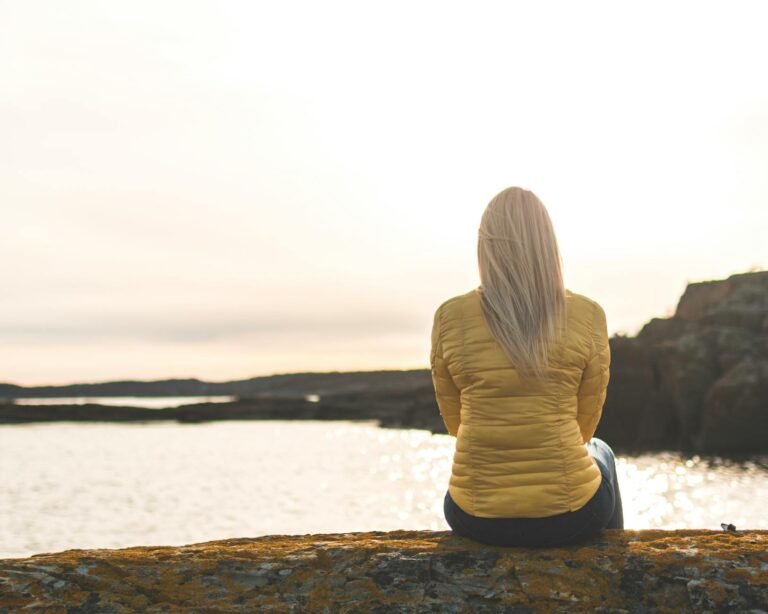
{"x":698,"y":381}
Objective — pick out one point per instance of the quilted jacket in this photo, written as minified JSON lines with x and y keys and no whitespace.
{"x":520,"y":446}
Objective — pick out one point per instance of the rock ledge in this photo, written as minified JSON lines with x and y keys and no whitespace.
{"x":401,"y":571}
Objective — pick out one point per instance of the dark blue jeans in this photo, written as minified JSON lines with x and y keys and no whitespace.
{"x":603,"y":511}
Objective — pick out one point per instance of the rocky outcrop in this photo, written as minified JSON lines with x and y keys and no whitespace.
{"x":401,"y":571}
{"x":697,"y":381}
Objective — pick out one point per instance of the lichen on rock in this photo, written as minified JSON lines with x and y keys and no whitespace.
{"x":401,"y":571}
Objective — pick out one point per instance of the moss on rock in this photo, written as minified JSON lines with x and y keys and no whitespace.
{"x":400,"y":571}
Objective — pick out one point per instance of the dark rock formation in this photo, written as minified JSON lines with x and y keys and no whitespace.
{"x":697,"y":381}
{"x":401,"y":571}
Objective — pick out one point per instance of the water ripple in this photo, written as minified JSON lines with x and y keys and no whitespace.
{"x":80,"y":485}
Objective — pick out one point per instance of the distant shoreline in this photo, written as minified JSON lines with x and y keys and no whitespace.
{"x":265,"y":408}
{"x":281,"y":384}
{"x":289,"y":409}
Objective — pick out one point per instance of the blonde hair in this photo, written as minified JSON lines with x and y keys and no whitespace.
{"x":521,"y":291}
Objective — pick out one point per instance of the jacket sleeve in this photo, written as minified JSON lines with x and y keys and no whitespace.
{"x":594,"y":379}
{"x":446,"y":392}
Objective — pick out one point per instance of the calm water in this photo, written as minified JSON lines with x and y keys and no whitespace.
{"x":90,"y":485}
{"x":147,"y":402}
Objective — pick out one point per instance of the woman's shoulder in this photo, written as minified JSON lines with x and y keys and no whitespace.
{"x":581,"y":303}
{"x":581,"y":300}
{"x":460,"y":303}
{"x":579,"y":306}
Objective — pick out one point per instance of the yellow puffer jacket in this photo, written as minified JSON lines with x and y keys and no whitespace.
{"x":520,"y":447}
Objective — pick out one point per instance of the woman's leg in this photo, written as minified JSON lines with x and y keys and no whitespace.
{"x":603,"y":454}
{"x":451,"y":512}
{"x":562,"y":529}
{"x":492,"y":531}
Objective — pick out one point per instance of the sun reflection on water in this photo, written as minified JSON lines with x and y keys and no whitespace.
{"x":659,"y":491}
{"x":669,"y":491}
{"x":110,"y":485}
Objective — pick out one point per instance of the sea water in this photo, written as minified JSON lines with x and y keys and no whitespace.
{"x":104,"y":485}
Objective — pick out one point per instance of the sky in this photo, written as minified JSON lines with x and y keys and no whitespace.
{"x":228,"y":189}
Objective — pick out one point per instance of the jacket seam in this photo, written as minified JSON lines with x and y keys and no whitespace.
{"x":441,"y":357}
{"x":592,"y":343}
{"x":462,"y":366}
{"x":590,"y":356}
{"x":566,"y":475}
{"x":593,"y":353}
{"x":506,"y":396}
{"x":594,"y":330}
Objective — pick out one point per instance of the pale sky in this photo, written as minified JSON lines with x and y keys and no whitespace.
{"x":229,"y":189}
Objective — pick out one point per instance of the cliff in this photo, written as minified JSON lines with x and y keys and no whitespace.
{"x":401,"y":571}
{"x":697,"y":381}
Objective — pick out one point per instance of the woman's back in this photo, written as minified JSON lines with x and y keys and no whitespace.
{"x":520,"y":442}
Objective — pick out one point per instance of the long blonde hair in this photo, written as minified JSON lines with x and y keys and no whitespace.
{"x":521,"y":291}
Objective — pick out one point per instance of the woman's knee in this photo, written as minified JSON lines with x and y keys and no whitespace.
{"x":600,"y":444}
{"x":602,"y":449}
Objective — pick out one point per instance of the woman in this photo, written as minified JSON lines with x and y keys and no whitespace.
{"x":520,"y":367}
